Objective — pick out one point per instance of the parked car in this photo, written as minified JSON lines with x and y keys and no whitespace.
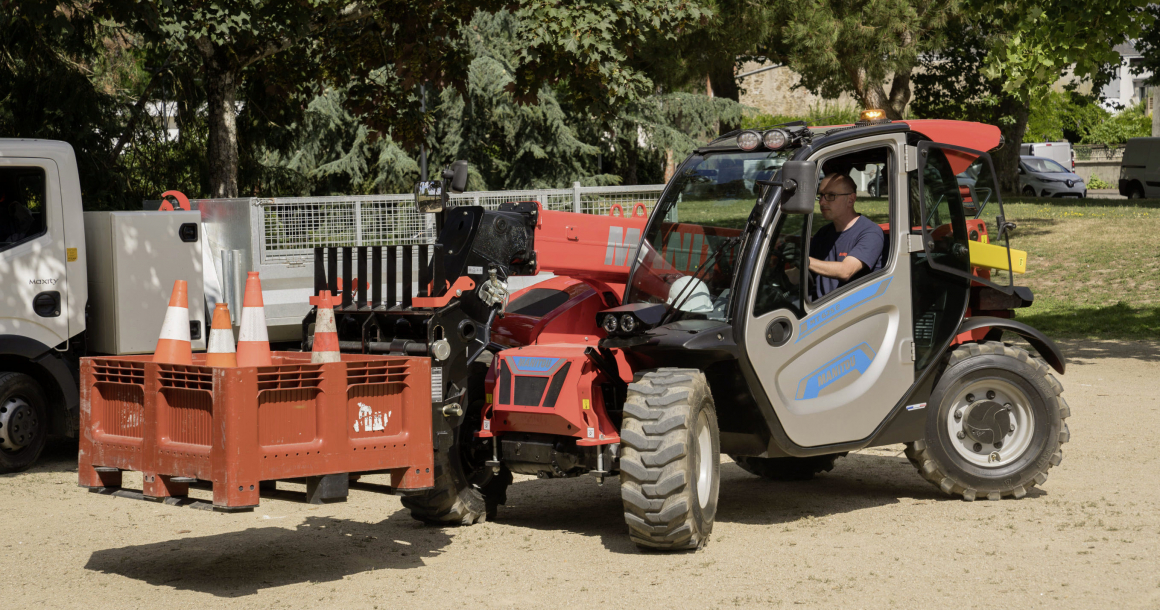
{"x":1140,"y":168}
{"x":1043,"y":177}
{"x":1060,"y":152}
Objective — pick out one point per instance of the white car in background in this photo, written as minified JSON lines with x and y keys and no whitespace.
{"x":1043,"y":177}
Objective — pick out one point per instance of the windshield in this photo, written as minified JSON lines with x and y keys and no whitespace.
{"x":688,"y":259}
{"x":1044,"y":166}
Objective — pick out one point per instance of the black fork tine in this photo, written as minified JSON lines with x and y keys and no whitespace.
{"x":347,"y":272}
{"x":376,"y":277}
{"x":363,"y":280}
{"x":319,"y":271}
{"x":408,"y":274}
{"x":392,"y":276}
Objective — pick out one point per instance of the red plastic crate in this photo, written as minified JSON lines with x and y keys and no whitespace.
{"x":239,"y":426}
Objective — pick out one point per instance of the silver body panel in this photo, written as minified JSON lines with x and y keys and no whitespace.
{"x":848,"y":360}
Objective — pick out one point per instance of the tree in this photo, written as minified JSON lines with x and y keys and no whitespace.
{"x":999,"y":56}
{"x":856,"y":46}
{"x":219,"y":40}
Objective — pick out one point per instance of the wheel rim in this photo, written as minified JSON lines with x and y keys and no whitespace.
{"x":990,"y":423}
{"x":18,"y":424}
{"x":704,"y":465}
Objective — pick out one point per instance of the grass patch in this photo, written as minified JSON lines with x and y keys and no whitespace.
{"x":1093,"y":264}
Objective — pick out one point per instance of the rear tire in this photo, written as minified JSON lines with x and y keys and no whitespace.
{"x":23,"y":422}
{"x":670,"y":468}
{"x":788,"y":468}
{"x":1011,"y":447}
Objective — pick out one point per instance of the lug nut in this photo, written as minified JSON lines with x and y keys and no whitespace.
{"x":990,"y":394}
{"x":978,"y":447}
{"x":958,"y":415}
{"x":961,"y":434}
{"x":998,"y":444}
{"x":970,"y":398}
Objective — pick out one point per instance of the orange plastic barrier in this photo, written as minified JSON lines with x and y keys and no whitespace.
{"x":236,"y":427}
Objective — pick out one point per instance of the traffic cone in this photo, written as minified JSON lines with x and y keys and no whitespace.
{"x":325,"y":333}
{"x":253,"y":342}
{"x":221,"y":350}
{"x":173,"y":344}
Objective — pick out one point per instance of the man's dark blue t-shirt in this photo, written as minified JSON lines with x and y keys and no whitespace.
{"x":863,"y":241}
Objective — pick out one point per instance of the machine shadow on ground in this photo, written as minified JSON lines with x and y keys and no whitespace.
{"x":858,"y":482}
{"x":59,"y":455}
{"x":237,"y":564}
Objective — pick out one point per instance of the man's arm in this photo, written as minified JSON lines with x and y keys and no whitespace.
{"x":839,"y":270}
{"x":865,"y":253}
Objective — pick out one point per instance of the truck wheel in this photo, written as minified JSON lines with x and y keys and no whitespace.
{"x":23,"y":422}
{"x":466,"y":490}
{"x":670,"y":468}
{"x":788,"y":468}
{"x":1135,"y":191}
{"x":995,"y":424}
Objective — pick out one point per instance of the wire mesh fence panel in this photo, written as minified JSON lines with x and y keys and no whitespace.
{"x":626,"y":202}
{"x":291,"y":227}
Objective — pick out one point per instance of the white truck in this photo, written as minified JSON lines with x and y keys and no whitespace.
{"x":74,"y":283}
{"x":1060,"y":152}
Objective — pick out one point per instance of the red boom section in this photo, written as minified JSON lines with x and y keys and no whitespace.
{"x":586,"y":246}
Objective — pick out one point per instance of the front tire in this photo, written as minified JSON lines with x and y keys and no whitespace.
{"x":788,"y":468}
{"x":1028,"y":191}
{"x":996,"y":423}
{"x":670,"y":468}
{"x":465,"y":490}
{"x":23,"y":422}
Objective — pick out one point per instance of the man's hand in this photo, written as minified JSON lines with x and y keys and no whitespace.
{"x":790,"y":254}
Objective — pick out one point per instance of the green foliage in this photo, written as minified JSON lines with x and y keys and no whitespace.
{"x":1062,"y":116}
{"x":1131,"y":122}
{"x":1032,"y":44}
{"x":1095,"y":183}
{"x":45,"y":91}
{"x":844,"y":46}
{"x":824,"y":113}
{"x":541,"y":143}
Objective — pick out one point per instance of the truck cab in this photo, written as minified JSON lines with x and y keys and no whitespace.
{"x":42,"y":296}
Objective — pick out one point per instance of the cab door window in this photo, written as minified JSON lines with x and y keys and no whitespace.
{"x":23,"y":214}
{"x":853,"y":186}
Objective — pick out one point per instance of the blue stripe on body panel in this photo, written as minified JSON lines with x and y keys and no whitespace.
{"x":843,"y":305}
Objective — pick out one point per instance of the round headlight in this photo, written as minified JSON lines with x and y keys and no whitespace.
{"x":748,"y":140}
{"x":775,"y":139}
{"x":627,"y":323}
{"x":609,"y":324}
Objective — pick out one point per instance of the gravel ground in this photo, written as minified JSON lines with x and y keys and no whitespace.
{"x":870,"y":534}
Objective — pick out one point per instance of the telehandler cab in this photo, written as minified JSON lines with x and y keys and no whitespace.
{"x":666,"y":341}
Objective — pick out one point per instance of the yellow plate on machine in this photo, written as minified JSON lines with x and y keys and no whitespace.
{"x":995,"y":257}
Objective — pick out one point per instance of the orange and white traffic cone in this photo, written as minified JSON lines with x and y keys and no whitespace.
{"x":173,"y":345}
{"x":221,"y":350}
{"x":253,"y":341}
{"x":325,"y":333}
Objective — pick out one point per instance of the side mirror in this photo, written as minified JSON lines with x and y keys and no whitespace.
{"x":457,"y":174}
{"x":1021,"y":170}
{"x":800,"y":180}
{"x":429,"y":197}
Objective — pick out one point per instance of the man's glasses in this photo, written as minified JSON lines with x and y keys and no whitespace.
{"x":831,"y":196}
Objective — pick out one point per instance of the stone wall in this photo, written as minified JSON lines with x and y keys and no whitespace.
{"x":1106,"y":170}
{"x":771,"y":92}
